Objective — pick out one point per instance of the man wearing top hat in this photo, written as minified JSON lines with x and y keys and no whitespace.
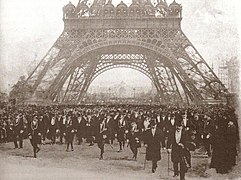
{"x":231,"y":143}
{"x":152,"y":139}
{"x":206,"y":134}
{"x":69,"y":133}
{"x":101,"y":136}
{"x":34,"y":135}
{"x":170,"y":127}
{"x":89,"y":126}
{"x":80,"y":127}
{"x":110,"y":125}
{"x":18,"y":130}
{"x":121,"y":131}
{"x":52,"y":128}
{"x":187,"y":124}
{"x":180,"y":155}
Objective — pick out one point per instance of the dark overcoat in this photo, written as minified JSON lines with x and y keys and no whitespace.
{"x":110,"y":128}
{"x":81,"y":127}
{"x":101,"y":131}
{"x":134,"y":139}
{"x":90,"y":126}
{"x":176,"y":154}
{"x":52,"y":128}
{"x":18,"y":127}
{"x":231,"y":145}
{"x":69,"y":132}
{"x":219,"y":159}
{"x":122,"y":126}
{"x":33,"y":131}
{"x":153,"y":144}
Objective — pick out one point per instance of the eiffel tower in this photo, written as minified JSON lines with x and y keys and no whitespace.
{"x":148,"y":38}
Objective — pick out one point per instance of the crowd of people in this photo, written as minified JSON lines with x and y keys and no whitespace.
{"x":177,"y":129}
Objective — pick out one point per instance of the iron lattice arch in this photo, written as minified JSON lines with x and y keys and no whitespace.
{"x":142,"y":36}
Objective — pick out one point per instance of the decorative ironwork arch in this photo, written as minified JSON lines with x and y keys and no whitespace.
{"x":74,"y":57}
{"x":107,"y":68}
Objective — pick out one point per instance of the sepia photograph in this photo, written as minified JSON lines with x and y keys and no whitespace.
{"x":120,"y":90}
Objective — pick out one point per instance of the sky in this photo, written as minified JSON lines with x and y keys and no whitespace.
{"x":30,"y":27}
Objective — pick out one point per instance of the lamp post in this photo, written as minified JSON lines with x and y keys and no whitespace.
{"x":109,"y":94}
{"x":134,"y":90}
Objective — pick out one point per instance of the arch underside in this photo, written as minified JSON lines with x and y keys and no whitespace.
{"x":166,"y":56}
{"x":160,"y":75}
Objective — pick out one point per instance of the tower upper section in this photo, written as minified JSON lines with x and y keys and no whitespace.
{"x":140,"y":14}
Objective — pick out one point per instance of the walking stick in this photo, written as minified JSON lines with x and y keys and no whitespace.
{"x":111,"y":146}
{"x":168,"y":158}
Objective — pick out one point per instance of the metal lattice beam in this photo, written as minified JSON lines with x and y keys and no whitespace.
{"x":155,"y":46}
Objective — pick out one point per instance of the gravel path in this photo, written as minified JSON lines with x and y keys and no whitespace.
{"x":54,"y":162}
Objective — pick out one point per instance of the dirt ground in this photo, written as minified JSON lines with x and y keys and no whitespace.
{"x":53,"y":162}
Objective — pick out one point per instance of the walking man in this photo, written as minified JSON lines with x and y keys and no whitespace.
{"x":133,"y":139}
{"x":35,"y":135}
{"x":101,"y":136}
{"x":180,"y":156}
{"x":18,"y":130}
{"x":152,"y":139}
{"x":69,"y":133}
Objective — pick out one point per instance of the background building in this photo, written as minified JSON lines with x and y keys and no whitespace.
{"x":122,"y":92}
{"x":228,"y":72}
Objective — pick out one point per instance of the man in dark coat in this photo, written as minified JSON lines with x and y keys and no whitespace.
{"x":80,"y":128}
{"x":18,"y":130}
{"x":170,"y":127}
{"x":179,"y":153}
{"x":110,"y":125}
{"x":90,"y":126}
{"x":152,"y":140}
{"x":206,"y":135}
{"x":42,"y":127}
{"x":69,"y":133}
{"x":164,"y":121}
{"x":3,"y":131}
{"x":187,"y":124}
{"x":133,"y":139}
{"x":52,"y":128}
{"x":199,"y":124}
{"x":121,"y":131}
{"x":60,"y":127}
{"x":45,"y":125}
{"x":101,"y":136}
{"x":34,"y":135}
{"x":219,"y":159}
{"x":231,"y":139}
{"x":10,"y":132}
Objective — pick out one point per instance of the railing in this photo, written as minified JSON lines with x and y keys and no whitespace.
{"x":121,"y":22}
